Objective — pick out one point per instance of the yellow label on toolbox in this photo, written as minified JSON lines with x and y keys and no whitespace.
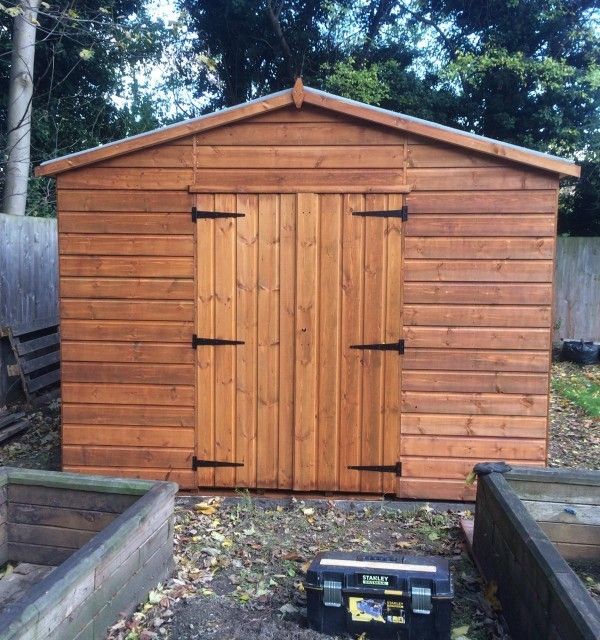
{"x":372,"y":610}
{"x":366,"y":609}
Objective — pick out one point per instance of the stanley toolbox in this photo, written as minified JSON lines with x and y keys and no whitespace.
{"x":389,"y":596}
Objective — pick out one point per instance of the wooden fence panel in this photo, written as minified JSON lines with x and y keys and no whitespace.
{"x":577,"y":289}
{"x":28,"y":270}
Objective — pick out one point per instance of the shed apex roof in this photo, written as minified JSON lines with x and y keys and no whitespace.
{"x":324,"y":100}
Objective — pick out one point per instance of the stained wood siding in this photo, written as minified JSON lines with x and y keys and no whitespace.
{"x":478,"y":313}
{"x":478,"y":264}
{"x":477,"y":280}
{"x":127,"y":309}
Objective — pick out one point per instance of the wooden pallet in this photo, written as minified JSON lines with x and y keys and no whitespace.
{"x":12,"y":424}
{"x":36,"y":349}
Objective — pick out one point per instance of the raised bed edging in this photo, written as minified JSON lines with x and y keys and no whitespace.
{"x":541,"y":596}
{"x":109,"y":574}
{"x":3,"y":515}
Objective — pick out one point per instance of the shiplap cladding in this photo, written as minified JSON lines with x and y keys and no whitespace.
{"x":474,"y":264}
{"x":127,"y":316}
{"x":477,"y":317}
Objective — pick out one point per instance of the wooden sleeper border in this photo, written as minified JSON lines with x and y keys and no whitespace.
{"x":109,"y":575}
{"x":540,"y":595}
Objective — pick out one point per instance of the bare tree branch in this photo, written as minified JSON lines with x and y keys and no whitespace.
{"x":276,"y":24}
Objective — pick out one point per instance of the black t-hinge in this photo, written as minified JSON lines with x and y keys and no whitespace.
{"x":396,"y":469}
{"x":212,"y":342}
{"x":213,"y":215}
{"x":391,"y":213}
{"x":201,"y":464}
{"x":383,"y":346}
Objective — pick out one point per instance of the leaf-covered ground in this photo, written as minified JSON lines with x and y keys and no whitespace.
{"x":241,"y":565}
{"x":574,"y":429}
{"x":39,"y":446}
{"x":580,"y":385}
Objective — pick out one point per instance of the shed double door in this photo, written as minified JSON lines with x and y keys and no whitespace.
{"x":298,"y":279}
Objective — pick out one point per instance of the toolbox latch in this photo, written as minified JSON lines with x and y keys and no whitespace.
{"x":421,"y":600}
{"x":332,"y":593}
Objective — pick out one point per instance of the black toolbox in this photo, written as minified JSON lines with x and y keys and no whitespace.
{"x":386,"y":596}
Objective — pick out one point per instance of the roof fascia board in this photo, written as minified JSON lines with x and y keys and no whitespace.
{"x":442,"y":133}
{"x":165,"y":134}
{"x":324,"y":100}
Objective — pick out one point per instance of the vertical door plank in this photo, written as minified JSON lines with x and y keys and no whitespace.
{"x":225,"y":327}
{"x":306,"y":341}
{"x":205,"y":303}
{"x":352,"y":333}
{"x":372,"y":369}
{"x":287,"y":333}
{"x":329,"y":342}
{"x":393,"y":331}
{"x":247,"y":310}
{"x":268,"y":341}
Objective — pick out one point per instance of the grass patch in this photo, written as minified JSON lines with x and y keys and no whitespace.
{"x":580,"y":386}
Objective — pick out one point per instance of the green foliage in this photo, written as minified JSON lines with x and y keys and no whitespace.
{"x":580,"y":200}
{"x":86,"y":59}
{"x":361,"y":83}
{"x":582,"y":387}
{"x":526,"y":72}
{"x":246,"y":52}
{"x":521,"y":71}
{"x":41,"y":197}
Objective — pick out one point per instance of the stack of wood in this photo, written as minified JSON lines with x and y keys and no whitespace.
{"x":11,"y":424}
{"x":36,"y":349}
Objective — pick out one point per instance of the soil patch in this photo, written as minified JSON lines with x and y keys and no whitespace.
{"x":574,"y":435}
{"x":38,"y":447}
{"x":589,"y":574}
{"x":241,"y":566}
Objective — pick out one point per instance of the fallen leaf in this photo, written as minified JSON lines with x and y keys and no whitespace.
{"x":7,"y":571}
{"x":404,"y":544}
{"x":288,"y":608}
{"x":490,"y":592}
{"x":470,"y":479}
{"x":205,"y":508}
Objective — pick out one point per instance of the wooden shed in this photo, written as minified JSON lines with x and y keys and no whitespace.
{"x":306,"y":293}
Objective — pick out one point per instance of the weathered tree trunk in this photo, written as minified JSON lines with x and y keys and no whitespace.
{"x":19,"y":108}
